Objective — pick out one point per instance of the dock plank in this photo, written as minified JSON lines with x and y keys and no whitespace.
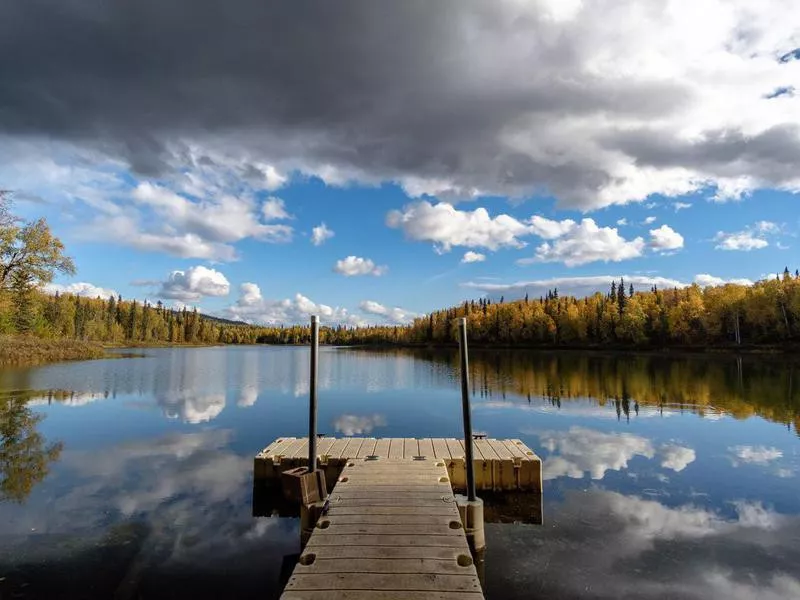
{"x":500,"y":464}
{"x":367,"y":448}
{"x":382,"y":540}
{"x":426,"y":448}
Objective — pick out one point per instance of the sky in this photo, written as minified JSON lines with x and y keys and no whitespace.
{"x":370,"y":162}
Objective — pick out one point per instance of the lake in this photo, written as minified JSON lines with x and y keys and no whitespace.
{"x":664,"y":476}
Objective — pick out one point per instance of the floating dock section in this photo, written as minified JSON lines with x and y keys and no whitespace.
{"x":392,"y":529}
{"x":500,"y":465}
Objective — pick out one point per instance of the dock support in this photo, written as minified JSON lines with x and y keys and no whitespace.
{"x":312,"y":396}
{"x":471,"y":507}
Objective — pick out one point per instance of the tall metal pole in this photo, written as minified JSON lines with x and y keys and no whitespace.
{"x":312,"y":396}
{"x":468,"y":443}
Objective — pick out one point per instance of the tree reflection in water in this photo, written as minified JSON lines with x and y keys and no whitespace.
{"x":25,"y":455}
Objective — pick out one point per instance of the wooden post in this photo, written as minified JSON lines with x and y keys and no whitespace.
{"x":468,"y":443}
{"x":312,"y":396}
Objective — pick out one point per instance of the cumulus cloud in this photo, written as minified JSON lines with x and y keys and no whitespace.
{"x":320,"y":234}
{"x":610,"y":114}
{"x":665,"y":239}
{"x":446,"y":226}
{"x":252,"y":307}
{"x":583,"y":243}
{"x":757,"y":455}
{"x":471,"y":257}
{"x":577,"y":286}
{"x":679,"y":206}
{"x":394,"y":315}
{"x":650,"y":220}
{"x":353,"y":266}
{"x":350,"y":425}
{"x":705,"y":280}
{"x":751,"y":238}
{"x":274,"y":209}
{"x":194,"y":284}
{"x":79,"y":288}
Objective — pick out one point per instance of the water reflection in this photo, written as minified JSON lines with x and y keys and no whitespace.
{"x":581,"y":451}
{"x":25,"y":455}
{"x":350,"y":425}
{"x":657,"y":481}
{"x":610,"y":545}
{"x":180,"y":500}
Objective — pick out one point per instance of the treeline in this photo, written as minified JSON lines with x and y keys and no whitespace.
{"x":767,"y":312}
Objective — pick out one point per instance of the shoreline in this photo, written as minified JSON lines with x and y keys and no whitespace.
{"x":21,"y":351}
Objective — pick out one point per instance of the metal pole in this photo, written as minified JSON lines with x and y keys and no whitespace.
{"x":312,"y":396}
{"x":468,"y":443}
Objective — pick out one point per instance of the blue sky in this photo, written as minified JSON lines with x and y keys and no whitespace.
{"x":421,"y":275}
{"x":454,"y":150}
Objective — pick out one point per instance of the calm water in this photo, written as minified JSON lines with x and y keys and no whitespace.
{"x":131,"y":478}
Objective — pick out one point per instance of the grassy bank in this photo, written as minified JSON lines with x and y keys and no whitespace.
{"x":28,"y":350}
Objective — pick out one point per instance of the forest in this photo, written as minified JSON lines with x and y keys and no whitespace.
{"x":764,"y":314}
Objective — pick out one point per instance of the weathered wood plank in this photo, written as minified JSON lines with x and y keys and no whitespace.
{"x":426,"y":448}
{"x":382,"y":529}
{"x":443,"y":510}
{"x":388,"y":540}
{"x":438,"y":553}
{"x":390,"y":519}
{"x":335,"y":451}
{"x":410,"y":448}
{"x":396,"y":448}
{"x":456,"y":448}
{"x":367,"y":448}
{"x":379,"y":595}
{"x":370,"y":565}
{"x":352,"y":448}
{"x":383,"y":581}
{"x":440,"y":449}
{"x":382,"y":447}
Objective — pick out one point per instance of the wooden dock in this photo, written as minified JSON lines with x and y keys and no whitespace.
{"x":500,"y":465}
{"x":392,"y":530}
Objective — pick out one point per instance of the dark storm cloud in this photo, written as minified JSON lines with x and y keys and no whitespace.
{"x":773,"y":155}
{"x":497,"y":97}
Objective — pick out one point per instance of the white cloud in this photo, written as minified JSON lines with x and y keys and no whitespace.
{"x":650,"y":220}
{"x":193,"y":284}
{"x":471,"y":257}
{"x":446,"y":226}
{"x":705,"y":280}
{"x":676,"y":457}
{"x":353,"y":266}
{"x":252,"y":307}
{"x":79,"y":288}
{"x":585,"y":243}
{"x":622,"y":222}
{"x":274,"y":209}
{"x":681,"y":206}
{"x":394,"y":315}
{"x":549,"y":229}
{"x":578,"y":286}
{"x":320,"y":234}
{"x":743,"y":240}
{"x":665,"y":239}
{"x":350,"y":425}
{"x":757,"y":455}
{"x":224,"y":219}
{"x":581,"y":451}
{"x":751,"y":238}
